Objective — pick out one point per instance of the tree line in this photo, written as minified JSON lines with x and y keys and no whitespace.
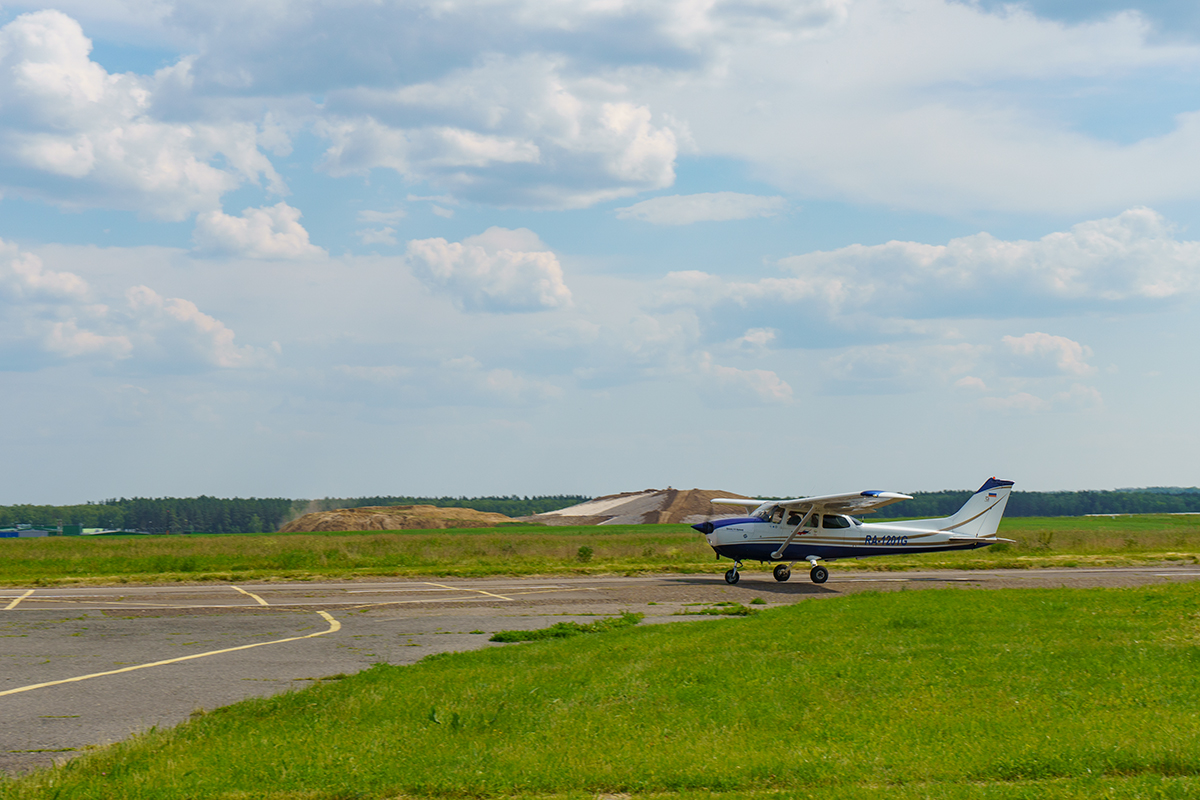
{"x":1158,"y":500}
{"x":245,"y":515}
{"x":265,"y":514}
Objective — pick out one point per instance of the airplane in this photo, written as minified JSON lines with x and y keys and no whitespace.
{"x":813,"y":529}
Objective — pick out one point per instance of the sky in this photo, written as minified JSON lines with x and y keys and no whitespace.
{"x":480,"y":247}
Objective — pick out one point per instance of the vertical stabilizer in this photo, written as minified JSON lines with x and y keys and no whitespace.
{"x":980,"y":515}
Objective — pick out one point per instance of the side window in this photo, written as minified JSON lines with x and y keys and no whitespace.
{"x":833,"y":521}
{"x":794,"y":518}
{"x":815,"y":521}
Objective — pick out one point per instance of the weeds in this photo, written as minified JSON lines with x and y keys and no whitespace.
{"x":563,"y":630}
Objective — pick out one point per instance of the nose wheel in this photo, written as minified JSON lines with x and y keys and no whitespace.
{"x":732,"y":576}
{"x":783,"y":572}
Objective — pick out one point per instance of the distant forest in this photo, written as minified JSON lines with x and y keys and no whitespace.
{"x":255,"y":515}
{"x":1157,"y":500}
{"x":251,"y":515}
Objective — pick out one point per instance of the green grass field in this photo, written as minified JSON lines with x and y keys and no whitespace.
{"x":934,"y":694}
{"x":534,"y":550}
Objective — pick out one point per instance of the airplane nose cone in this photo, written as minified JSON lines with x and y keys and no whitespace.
{"x":704,"y":527}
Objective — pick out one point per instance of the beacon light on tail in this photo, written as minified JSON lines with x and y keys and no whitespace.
{"x":815,"y":529}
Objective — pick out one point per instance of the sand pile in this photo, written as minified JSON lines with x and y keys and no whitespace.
{"x":647,"y":507}
{"x":393,"y":518}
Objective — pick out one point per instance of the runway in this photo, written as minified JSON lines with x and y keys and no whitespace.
{"x":82,"y":667}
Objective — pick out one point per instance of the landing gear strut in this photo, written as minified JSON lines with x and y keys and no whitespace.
{"x":783,"y":572}
{"x":732,"y":577}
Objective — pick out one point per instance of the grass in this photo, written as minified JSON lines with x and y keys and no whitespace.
{"x":563,"y":630}
{"x":1061,"y":693}
{"x":538,"y":550}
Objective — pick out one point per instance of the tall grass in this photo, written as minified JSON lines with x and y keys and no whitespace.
{"x":1030,"y":693}
{"x":530,"y":550}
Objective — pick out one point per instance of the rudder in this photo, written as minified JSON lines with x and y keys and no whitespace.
{"x":980,"y":515}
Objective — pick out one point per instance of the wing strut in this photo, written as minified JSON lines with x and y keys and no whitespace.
{"x":792,"y":535}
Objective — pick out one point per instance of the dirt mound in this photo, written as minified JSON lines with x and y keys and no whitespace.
{"x":648,"y":507}
{"x":393,"y":518}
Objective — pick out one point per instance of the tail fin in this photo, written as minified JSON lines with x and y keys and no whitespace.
{"x":979,"y":516}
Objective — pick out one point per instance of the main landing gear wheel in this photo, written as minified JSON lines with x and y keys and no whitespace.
{"x":782,"y":572}
{"x":819,"y":574}
{"x":732,"y":576}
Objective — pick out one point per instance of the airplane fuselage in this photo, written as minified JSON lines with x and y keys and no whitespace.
{"x":754,"y":539}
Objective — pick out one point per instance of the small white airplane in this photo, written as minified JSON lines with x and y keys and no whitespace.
{"x":819,"y":528}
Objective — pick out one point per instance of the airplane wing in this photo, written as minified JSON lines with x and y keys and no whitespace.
{"x":851,"y":503}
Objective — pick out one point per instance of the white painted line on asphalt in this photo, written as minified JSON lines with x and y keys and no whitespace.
{"x":480,"y":591}
{"x":334,"y":627}
{"x":15,"y":602}
{"x":261,"y":602}
{"x":555,"y":591}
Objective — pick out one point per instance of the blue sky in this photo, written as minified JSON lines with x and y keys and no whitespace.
{"x":326,"y":249}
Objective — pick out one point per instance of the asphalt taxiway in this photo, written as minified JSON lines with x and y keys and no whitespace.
{"x":81,"y":667}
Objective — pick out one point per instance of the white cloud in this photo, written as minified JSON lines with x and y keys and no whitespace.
{"x":971,"y":382}
{"x":273,"y":232}
{"x":1065,"y":356}
{"x":500,"y":270}
{"x":685,"y":209}
{"x":757,"y":385}
{"x":77,"y":136}
{"x":48,"y":316}
{"x":175,"y":331}
{"x":756,"y":338}
{"x":510,"y":132}
{"x":445,"y":213}
{"x":24,"y":278}
{"x":377,"y":235}
{"x":66,"y":339}
{"x":1132,"y":258}
{"x":896,"y":106}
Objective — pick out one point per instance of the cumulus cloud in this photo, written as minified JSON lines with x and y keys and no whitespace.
{"x":499,"y":270}
{"x":756,"y":338}
{"x":77,"y":136}
{"x":895,"y":107}
{"x":175,"y":331}
{"x":377,"y":235}
{"x":47,"y":317}
{"x":684,"y":209}
{"x":755,"y":385}
{"x":1133,"y":258}
{"x":24,"y":278}
{"x":273,"y":232}
{"x":511,"y":132}
{"x":1056,"y":352}
{"x":68,"y":340}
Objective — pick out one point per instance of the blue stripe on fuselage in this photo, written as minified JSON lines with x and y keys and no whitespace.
{"x":708,"y":527}
{"x":761,"y":551}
